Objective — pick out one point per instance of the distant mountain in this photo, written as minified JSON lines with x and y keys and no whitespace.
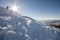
{"x":14,"y":26}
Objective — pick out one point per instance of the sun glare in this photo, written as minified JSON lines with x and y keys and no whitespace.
{"x":14,"y":8}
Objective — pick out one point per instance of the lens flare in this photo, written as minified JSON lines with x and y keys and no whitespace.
{"x":14,"y":8}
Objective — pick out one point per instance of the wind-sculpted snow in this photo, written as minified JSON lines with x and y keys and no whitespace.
{"x":13,"y":26}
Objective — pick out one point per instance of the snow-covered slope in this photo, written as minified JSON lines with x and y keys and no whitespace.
{"x":14,"y":26}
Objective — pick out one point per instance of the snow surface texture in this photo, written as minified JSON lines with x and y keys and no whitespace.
{"x":14,"y":26}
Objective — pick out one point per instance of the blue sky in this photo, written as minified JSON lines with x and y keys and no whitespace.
{"x":37,"y":9}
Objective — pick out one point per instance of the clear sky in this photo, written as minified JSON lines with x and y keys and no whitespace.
{"x":37,"y":9}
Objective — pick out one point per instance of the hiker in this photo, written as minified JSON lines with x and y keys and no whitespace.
{"x":7,"y":7}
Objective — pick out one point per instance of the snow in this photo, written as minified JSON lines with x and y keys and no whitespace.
{"x":13,"y":26}
{"x":28,"y":22}
{"x":20,"y":33}
{"x":35,"y":39}
{"x":19,"y":23}
{"x":8,"y":26}
{"x":7,"y":18}
{"x":12,"y":32}
{"x":26,"y":35}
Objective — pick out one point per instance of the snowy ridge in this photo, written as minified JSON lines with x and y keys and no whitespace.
{"x":16,"y":27}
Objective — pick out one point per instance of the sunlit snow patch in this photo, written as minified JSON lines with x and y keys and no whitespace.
{"x":11,"y":32}
{"x":28,"y":21}
{"x":8,"y":26}
{"x":26,"y":35}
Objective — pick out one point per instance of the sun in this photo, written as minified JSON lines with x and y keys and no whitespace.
{"x":14,"y":8}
